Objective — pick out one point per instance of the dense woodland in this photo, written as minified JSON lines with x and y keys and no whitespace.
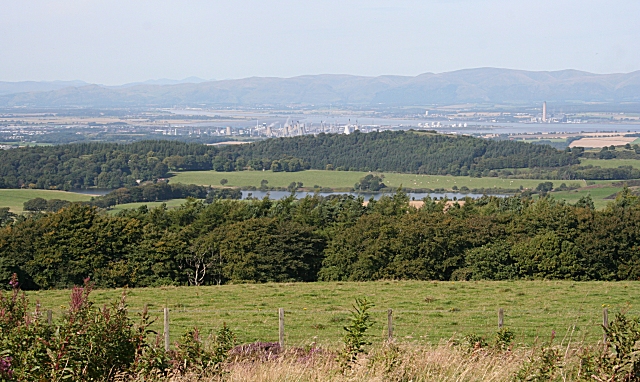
{"x":112,"y":166}
{"x":102,"y":165}
{"x":401,"y":151}
{"x":315,"y":238}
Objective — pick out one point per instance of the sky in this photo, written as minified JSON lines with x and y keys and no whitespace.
{"x":120,"y":41}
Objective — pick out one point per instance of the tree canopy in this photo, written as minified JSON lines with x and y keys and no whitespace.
{"x":324,"y":238}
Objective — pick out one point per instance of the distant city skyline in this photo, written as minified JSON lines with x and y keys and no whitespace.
{"x":116,"y":42}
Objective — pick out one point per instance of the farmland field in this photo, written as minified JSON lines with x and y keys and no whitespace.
{"x":14,"y":199}
{"x":602,"y":141}
{"x":424,"y":311}
{"x":343,"y":179}
{"x":598,"y":194}
{"x":170,"y":204}
{"x":611,"y":163}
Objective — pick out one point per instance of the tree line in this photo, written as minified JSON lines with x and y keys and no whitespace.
{"x":318,"y":238}
{"x":112,"y":165}
{"x":102,"y":165}
{"x":152,"y":192}
{"x":399,"y":151}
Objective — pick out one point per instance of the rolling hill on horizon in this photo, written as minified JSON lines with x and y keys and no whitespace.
{"x":481,"y":85}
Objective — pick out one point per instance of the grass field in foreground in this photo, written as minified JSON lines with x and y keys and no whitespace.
{"x":344,"y":179}
{"x":424,"y":311}
{"x":14,"y":199}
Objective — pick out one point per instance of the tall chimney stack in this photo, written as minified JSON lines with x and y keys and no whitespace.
{"x":544,"y":111}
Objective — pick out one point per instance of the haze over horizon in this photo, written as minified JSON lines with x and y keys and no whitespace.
{"x":118,"y":42}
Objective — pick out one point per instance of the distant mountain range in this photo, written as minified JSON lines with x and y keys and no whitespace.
{"x":482,"y":85}
{"x":36,"y":86}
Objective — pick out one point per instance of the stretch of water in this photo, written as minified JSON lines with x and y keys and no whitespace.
{"x":413,"y":195}
{"x":473,"y":127}
{"x":275,"y":195}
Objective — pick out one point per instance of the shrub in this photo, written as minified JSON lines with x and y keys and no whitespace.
{"x":543,"y":365}
{"x":93,"y":344}
{"x":355,"y":336}
{"x":504,"y":339}
{"x":192,"y":354}
{"x":475,"y":341}
{"x":621,"y":361}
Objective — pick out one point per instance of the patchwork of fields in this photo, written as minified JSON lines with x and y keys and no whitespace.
{"x":344,"y":179}
{"x":339,"y":180}
{"x":14,"y":199}
{"x":424,"y":311}
{"x":611,"y":163}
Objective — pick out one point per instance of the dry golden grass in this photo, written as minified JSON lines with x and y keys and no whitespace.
{"x":403,"y":362}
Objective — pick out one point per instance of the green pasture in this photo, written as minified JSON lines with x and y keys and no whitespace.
{"x":343,"y":179}
{"x":598,"y":194}
{"x":611,"y":163}
{"x":14,"y":199}
{"x":424,"y":311}
{"x":170,"y":204}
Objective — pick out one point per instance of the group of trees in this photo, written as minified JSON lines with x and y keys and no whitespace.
{"x":111,"y":165}
{"x":317,"y":238}
{"x":400,"y":151}
{"x":102,"y":165}
{"x":152,"y":192}
{"x":588,"y":172}
{"x":370,"y":182}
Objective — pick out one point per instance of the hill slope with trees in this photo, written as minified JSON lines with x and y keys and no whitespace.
{"x":111,"y":165}
{"x":399,"y":151}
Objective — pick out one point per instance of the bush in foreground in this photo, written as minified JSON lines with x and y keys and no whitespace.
{"x":94,"y":343}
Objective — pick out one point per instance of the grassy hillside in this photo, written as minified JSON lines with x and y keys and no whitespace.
{"x":14,"y":199}
{"x":170,"y":203}
{"x":611,"y":163}
{"x":344,"y":179}
{"x":423,"y":311}
{"x":598,"y":194}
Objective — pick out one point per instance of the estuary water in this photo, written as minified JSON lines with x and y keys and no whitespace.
{"x":276,"y":195}
{"x":472,"y":127}
{"x":367,"y":196}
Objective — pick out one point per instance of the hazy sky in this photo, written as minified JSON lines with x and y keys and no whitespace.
{"x":119,"y":41}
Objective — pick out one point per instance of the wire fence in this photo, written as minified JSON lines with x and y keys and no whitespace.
{"x":325,"y":327}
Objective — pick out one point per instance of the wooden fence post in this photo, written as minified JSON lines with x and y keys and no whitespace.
{"x":605,"y":323}
{"x":49,"y":317}
{"x":390,"y":324}
{"x":281,"y":327}
{"x":500,"y":318}
{"x":166,"y":329}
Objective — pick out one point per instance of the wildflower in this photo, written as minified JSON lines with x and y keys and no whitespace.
{"x":14,"y":281}
{"x":5,"y":367}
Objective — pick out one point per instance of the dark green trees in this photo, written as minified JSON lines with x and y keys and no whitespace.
{"x":266,"y":249}
{"x":370,"y":183}
{"x":333,"y":238}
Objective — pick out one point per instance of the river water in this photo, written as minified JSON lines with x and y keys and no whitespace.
{"x":276,"y":195}
{"x":376,"y":196}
